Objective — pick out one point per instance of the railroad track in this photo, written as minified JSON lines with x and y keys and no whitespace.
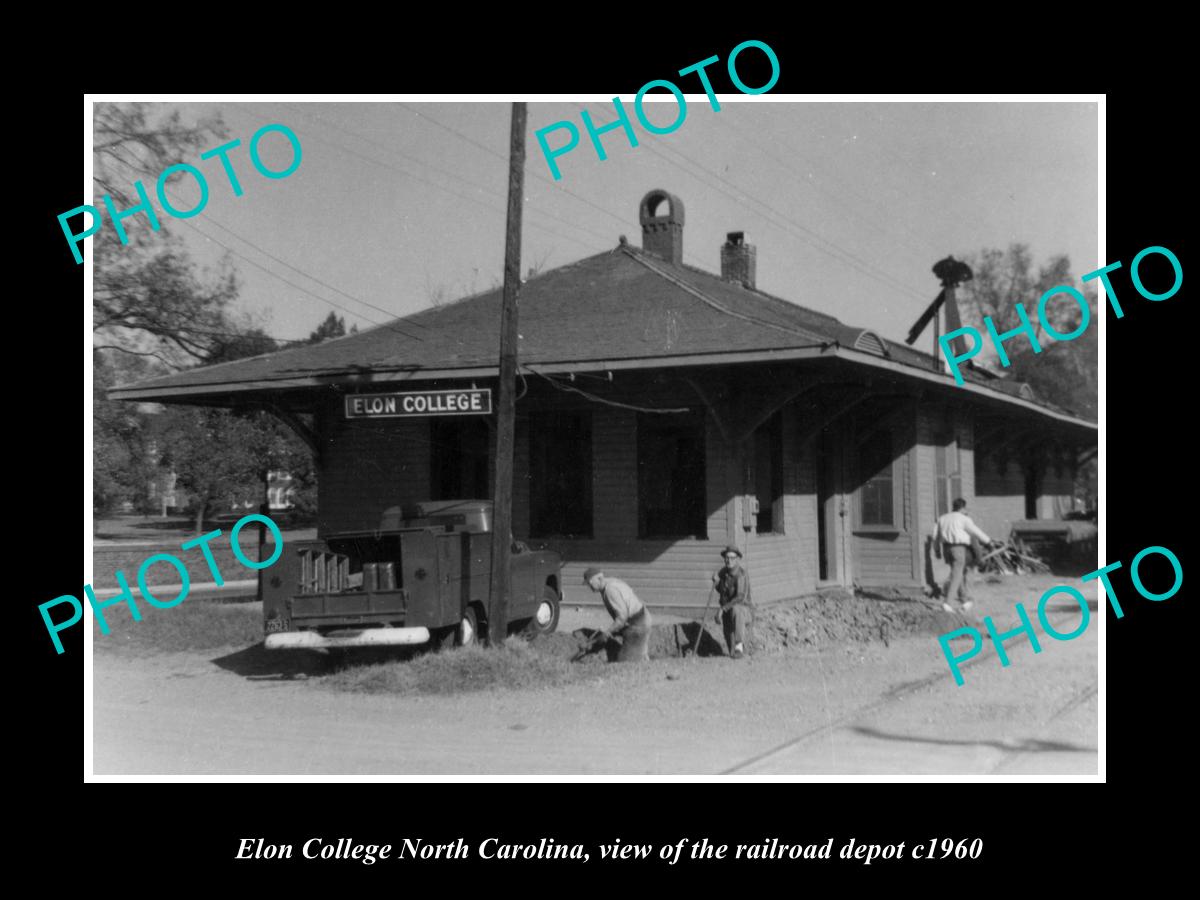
{"x":891,"y":695}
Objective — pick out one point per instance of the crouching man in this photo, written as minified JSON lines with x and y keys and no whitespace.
{"x":631,"y":619}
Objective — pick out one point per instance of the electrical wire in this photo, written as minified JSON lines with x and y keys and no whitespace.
{"x":529,"y":209}
{"x":566,"y":388}
{"x":786,"y":168}
{"x":323,"y":284}
{"x":624,"y":222}
{"x":780,"y":220}
{"x":436,"y":186}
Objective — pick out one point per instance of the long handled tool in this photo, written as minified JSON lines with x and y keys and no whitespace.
{"x":695,"y":649}
{"x":590,"y":645}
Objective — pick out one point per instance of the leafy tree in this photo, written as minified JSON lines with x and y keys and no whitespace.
{"x":1065,"y":373}
{"x":210,"y":452}
{"x":1005,"y":278}
{"x":225,"y":456}
{"x":333,"y":327}
{"x":122,"y":457}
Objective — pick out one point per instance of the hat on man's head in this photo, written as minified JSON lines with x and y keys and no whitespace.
{"x":591,"y":573}
{"x":731,"y":549}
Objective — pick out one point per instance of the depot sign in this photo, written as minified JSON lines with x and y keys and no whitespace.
{"x":476,"y":401}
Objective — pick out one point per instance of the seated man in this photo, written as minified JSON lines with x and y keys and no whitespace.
{"x":733,"y":586}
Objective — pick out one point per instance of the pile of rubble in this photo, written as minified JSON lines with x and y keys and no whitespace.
{"x":829,"y":617}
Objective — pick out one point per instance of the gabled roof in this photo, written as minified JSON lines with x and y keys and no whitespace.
{"x":624,"y":308}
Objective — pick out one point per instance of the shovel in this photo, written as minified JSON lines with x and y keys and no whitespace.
{"x":589,"y":646}
{"x":694,"y":650}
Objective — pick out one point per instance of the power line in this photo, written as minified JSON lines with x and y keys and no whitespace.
{"x":861,"y":266}
{"x":556,"y":185}
{"x":454,"y":175}
{"x":281,"y":278}
{"x":566,"y":388}
{"x":318,"y":280}
{"x":535,"y":173}
{"x":439,"y":187}
{"x":847,"y":258}
{"x":787,"y":169}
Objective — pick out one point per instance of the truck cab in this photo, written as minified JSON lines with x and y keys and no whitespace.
{"x":424,"y":575}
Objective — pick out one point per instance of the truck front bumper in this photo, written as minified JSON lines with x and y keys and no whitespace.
{"x":368,"y":637}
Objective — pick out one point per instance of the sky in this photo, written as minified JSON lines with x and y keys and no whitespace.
{"x":849,"y":204}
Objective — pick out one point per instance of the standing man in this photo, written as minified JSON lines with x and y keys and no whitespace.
{"x":954,"y":532}
{"x":732,"y":582}
{"x":631,"y":619}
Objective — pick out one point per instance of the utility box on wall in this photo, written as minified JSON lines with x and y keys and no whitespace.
{"x":749,"y":512}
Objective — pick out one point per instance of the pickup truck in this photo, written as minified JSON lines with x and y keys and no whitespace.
{"x":424,"y":575}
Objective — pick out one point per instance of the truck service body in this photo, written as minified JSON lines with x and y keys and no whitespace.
{"x":424,"y":574}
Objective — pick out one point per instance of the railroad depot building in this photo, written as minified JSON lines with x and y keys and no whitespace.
{"x":664,"y":412}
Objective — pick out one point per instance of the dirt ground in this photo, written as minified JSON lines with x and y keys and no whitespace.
{"x":834,"y":685}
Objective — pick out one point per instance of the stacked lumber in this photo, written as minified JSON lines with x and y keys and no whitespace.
{"x":1012,"y":558}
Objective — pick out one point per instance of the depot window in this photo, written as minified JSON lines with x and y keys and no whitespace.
{"x":876,"y":478}
{"x":947,"y":470}
{"x":560,"y":475}
{"x":671,"y":471}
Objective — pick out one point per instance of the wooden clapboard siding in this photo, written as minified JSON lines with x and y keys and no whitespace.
{"x":1057,"y":494}
{"x":933,"y":570}
{"x":719,"y":490}
{"x":367,"y":466}
{"x":883,"y":557}
{"x":614,"y":474}
{"x":661,"y":573}
{"x":799,"y":509}
{"x":775,"y":571}
{"x":999,"y":498}
{"x":891,"y":557}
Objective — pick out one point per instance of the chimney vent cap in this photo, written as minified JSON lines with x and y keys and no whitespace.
{"x":735,"y":237}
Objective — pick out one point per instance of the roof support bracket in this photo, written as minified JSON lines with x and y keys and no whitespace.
{"x":302,"y":429}
{"x":755,"y":416}
{"x":848,"y":402}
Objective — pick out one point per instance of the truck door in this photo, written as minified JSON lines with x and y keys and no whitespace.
{"x":525,"y":595}
{"x":450,"y":577}
{"x":419,"y":578}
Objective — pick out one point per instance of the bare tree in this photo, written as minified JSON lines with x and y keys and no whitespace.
{"x":149,"y":297}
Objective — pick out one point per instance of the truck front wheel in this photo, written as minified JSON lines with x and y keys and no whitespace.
{"x":545,"y":618}
{"x":468,"y":629}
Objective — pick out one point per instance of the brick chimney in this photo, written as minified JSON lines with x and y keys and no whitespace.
{"x":738,"y":259}
{"x":661,"y":215}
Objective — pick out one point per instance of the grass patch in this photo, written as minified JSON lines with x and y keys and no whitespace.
{"x":515,"y":664}
{"x":194,"y":625}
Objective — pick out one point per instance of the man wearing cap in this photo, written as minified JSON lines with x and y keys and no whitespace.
{"x":732,"y":582}
{"x":631,"y":619}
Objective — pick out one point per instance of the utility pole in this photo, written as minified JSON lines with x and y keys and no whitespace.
{"x":506,"y":405}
